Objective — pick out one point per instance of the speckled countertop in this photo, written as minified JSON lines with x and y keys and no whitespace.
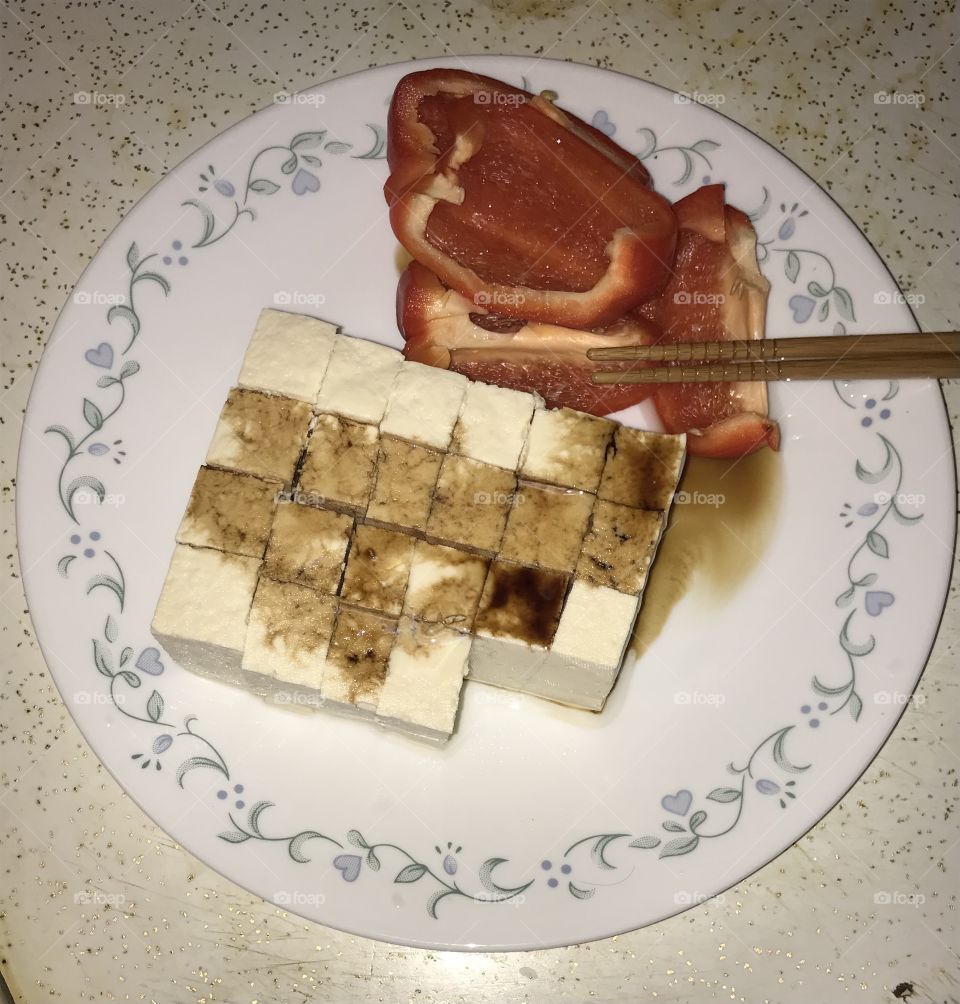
{"x":802,"y":75}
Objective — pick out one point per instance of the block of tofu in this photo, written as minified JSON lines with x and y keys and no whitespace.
{"x":424,"y":404}
{"x":308,"y":546}
{"x":620,"y":546}
{"x":445,"y":585}
{"x":643,"y":468}
{"x":358,"y":379}
{"x":201,"y":616}
{"x":546,"y":526}
{"x":357,"y":661}
{"x":470,"y":504}
{"x":517,"y":619}
{"x":377,"y":569}
{"x":421,"y":692}
{"x":566,"y":448}
{"x":260,"y":434}
{"x":493,"y":424}
{"x":230,"y":512}
{"x":405,"y":480}
{"x":288,"y":354}
{"x":285,"y":649}
{"x":587,"y":651}
{"x":340,"y":463}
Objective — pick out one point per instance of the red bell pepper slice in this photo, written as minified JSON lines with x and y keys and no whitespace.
{"x":716,"y":293}
{"x":522,"y":208}
{"x":442,"y":328}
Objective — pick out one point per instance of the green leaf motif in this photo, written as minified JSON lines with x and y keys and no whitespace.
{"x":308,"y":158}
{"x":92,"y":414}
{"x":110,"y":629}
{"x":645,"y":843}
{"x":129,"y":368}
{"x":295,"y":847}
{"x":64,"y":564}
{"x":155,"y":707}
{"x":133,"y":257}
{"x":601,"y":844}
{"x":377,"y":146}
{"x":208,"y":220}
{"x":697,"y":819}
{"x":306,"y":140}
{"x":839,"y":328}
{"x":101,"y":659}
{"x":867,"y":580}
{"x":485,"y":875}
{"x":648,"y":143}
{"x":122,"y":311}
{"x":106,"y":582}
{"x":902,"y":517}
{"x":373,"y":862}
{"x":107,"y":381}
{"x":580,"y":893}
{"x":823,"y":311}
{"x":673,"y":827}
{"x":874,"y":477}
{"x":336,"y":147}
{"x":846,"y":597}
{"x":156,"y":277}
{"x":682,"y":845}
{"x":724,"y":794}
{"x":687,"y":170}
{"x":130,"y":678}
{"x":125,"y":655}
{"x":852,"y":647}
{"x":264,"y":186}
{"x":234,"y":836}
{"x":791,"y":266}
{"x":290,"y":165}
{"x":93,"y":485}
{"x":892,"y":390}
{"x":855,"y":705}
{"x":815,"y":289}
{"x":63,"y":432}
{"x":252,"y":819}
{"x":780,"y":754}
{"x":434,"y":901}
{"x":411,"y":873}
{"x":356,"y":838}
{"x":822,"y":688}
{"x":844,"y":303}
{"x":705,"y":146}
{"x":878,"y":544}
{"x":194,"y":762}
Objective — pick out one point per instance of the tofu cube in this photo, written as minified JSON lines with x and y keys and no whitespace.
{"x":424,"y":404}
{"x":493,"y":424}
{"x":445,"y":585}
{"x":288,"y":354}
{"x":201,"y":616}
{"x":643,"y":468}
{"x":566,"y":448}
{"x":403,"y":490}
{"x":357,"y":661}
{"x":340,"y":464}
{"x":260,"y":434}
{"x":620,"y":546}
{"x":308,"y":546}
{"x":285,"y":649}
{"x":421,"y":692}
{"x":358,"y":379}
{"x":518,"y":616}
{"x":230,"y":512}
{"x":377,"y":569}
{"x":546,"y":526}
{"x":587,"y":651}
{"x":470,"y":504}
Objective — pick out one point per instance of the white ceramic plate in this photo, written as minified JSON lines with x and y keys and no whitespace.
{"x":746,"y":720}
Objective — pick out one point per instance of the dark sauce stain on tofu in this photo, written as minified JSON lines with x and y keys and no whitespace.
{"x":361,"y":647}
{"x":233,"y":510}
{"x":452,"y":600}
{"x":523,"y":602}
{"x":640,"y":470}
{"x":711,"y":548}
{"x":298,"y":617}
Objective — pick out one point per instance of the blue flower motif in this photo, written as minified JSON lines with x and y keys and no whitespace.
{"x":221,"y":185}
{"x":304,"y":181}
{"x":602,"y":122}
{"x":450,"y":863}
{"x":767,"y":787}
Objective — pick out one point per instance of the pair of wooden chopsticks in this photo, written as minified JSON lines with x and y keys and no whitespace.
{"x":832,"y":357}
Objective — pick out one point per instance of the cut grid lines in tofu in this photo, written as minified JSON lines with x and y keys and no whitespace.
{"x":368,"y":530}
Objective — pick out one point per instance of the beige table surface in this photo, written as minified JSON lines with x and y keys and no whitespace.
{"x":803,"y":76}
